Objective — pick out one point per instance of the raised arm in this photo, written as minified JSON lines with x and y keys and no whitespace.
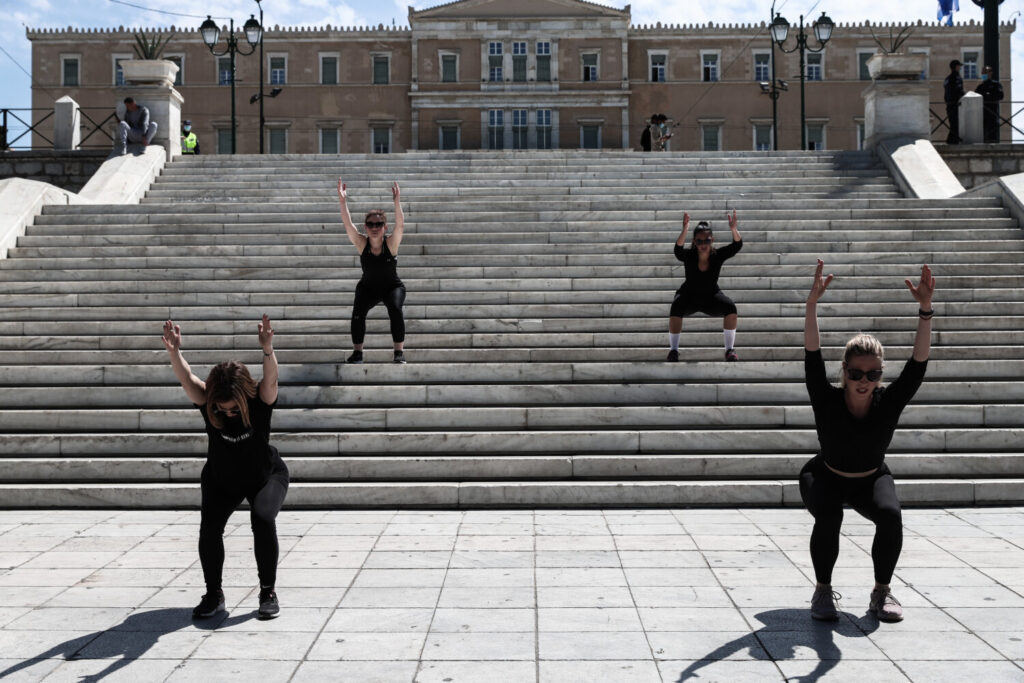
{"x":681,"y":241}
{"x":268,"y":385}
{"x":734,"y":225}
{"x":812,"y":342}
{"x":923,"y":295}
{"x":350,"y":229}
{"x":194,"y":387}
{"x":395,"y":238}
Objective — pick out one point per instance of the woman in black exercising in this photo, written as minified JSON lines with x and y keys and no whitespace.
{"x":855,"y":423}
{"x":378,"y":256}
{"x":699,"y":291}
{"x":240,"y":464}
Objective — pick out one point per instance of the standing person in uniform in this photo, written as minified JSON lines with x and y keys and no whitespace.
{"x":189,"y":141}
{"x":241,"y":464}
{"x":953,"y":88}
{"x":645,"y":137}
{"x":991,"y":92}
{"x":855,"y":423}
{"x":378,"y":256}
{"x":700,"y":290}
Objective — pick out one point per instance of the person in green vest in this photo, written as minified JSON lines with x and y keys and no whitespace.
{"x":189,"y":141}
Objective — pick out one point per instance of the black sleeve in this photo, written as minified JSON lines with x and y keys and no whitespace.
{"x":729,"y":250}
{"x":682,"y":252}
{"x":898,"y":394}
{"x":814,"y":376}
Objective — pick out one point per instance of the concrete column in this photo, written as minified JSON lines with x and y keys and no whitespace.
{"x":625,"y":128}
{"x":971,"y":123}
{"x":67,"y":129}
{"x":414,"y":142}
{"x":895,"y":108}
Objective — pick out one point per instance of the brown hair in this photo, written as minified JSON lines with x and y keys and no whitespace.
{"x":229,"y":381}
{"x":861,"y":345}
{"x":702,"y":227}
{"x":376,"y":212}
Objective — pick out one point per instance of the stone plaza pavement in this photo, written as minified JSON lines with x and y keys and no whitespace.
{"x":521,"y":595}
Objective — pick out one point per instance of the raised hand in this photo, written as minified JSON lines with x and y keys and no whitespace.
{"x":686,"y":221}
{"x":820,"y":283}
{"x":396,"y":193}
{"x":925,"y":288}
{"x":342,"y":194}
{"x":172,"y":336}
{"x":733,"y":223}
{"x":266,"y":334}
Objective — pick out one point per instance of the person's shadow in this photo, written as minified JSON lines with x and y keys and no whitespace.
{"x":130,"y":639}
{"x":782,"y":632}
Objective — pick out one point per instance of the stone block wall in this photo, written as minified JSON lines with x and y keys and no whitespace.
{"x":68,"y":170}
{"x":976,"y":165}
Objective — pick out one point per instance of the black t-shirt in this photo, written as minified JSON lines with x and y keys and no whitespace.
{"x":379,"y":270}
{"x":239,"y":452}
{"x":704,"y":282}
{"x":849,"y":444}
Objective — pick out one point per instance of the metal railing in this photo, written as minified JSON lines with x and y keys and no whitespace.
{"x":14,"y":127}
{"x":940,"y":123}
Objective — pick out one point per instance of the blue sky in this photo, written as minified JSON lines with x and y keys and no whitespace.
{"x":15,"y":84}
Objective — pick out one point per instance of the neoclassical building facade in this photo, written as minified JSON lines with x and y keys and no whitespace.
{"x":509,"y":74}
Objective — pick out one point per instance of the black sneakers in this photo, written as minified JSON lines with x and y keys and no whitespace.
{"x":269,"y":607}
{"x":209,"y":605}
{"x":673,"y":356}
{"x":730,"y":355}
{"x":356,"y":357}
{"x":400,"y":356}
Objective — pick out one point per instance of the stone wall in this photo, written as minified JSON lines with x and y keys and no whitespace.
{"x":69,"y":170}
{"x":975,"y":165}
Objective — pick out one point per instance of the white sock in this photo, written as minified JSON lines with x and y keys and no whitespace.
{"x":730,"y":339}
{"x":673,"y":341}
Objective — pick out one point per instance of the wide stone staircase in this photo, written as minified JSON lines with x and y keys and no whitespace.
{"x":539,"y":287}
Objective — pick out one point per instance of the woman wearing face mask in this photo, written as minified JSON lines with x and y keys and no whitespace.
{"x":378,"y":256}
{"x":241,"y":464}
{"x":700,"y":291}
{"x":855,"y":423}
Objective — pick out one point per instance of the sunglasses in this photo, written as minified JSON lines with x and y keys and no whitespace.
{"x":375,"y":224}
{"x":225,"y":413}
{"x":856,"y":375}
{"x":702,"y":241}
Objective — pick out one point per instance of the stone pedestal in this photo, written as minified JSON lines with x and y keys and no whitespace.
{"x":971,"y":123}
{"x":895,"y":109}
{"x":150,"y":82}
{"x":67,"y":129}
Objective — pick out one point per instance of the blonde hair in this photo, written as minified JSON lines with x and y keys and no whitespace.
{"x":861,"y":345}
{"x":229,"y":381}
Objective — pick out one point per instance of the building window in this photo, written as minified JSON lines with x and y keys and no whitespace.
{"x":118,"y":71}
{"x":224,"y":71}
{"x":860,"y":135}
{"x":179,"y":78}
{"x":590,"y":66}
{"x":519,"y":62}
{"x":862,"y":64}
{"x":815,"y":136}
{"x":590,"y":136}
{"x":278,"y":70}
{"x":449,"y":137}
{"x":815,"y":67}
{"x":381,"y":69}
{"x":709,"y":66}
{"x":544,"y":61}
{"x":520,"y":126}
{"x":711,"y":137}
{"x":763,"y":138}
{"x":495,"y":129}
{"x":382,"y":140}
{"x":328,"y":69}
{"x":329,"y":141}
{"x":223,"y":141}
{"x":922,"y":51}
{"x":543,"y":129}
{"x":970,"y":68}
{"x":69,"y":72}
{"x":495,"y":61}
{"x":278,"y":140}
{"x":658,"y":60}
{"x":763,"y":66}
{"x":449,"y":68}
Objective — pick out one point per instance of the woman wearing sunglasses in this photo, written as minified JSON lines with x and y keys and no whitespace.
{"x":699,"y":291}
{"x":240,"y":464}
{"x":855,"y":423}
{"x":378,"y":256}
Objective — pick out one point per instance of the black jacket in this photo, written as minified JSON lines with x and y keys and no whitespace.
{"x":991,"y":91}
{"x":954,"y":88}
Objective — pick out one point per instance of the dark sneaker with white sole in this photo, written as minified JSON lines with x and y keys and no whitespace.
{"x":730,"y":355}
{"x":356,"y":357}
{"x":400,"y":357}
{"x":209,"y":605}
{"x":823,"y":604}
{"x":269,"y":607}
{"x":885,"y":606}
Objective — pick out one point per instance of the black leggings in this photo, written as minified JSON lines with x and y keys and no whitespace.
{"x":874,"y":497}
{"x":220,"y":498}
{"x":368,"y":297}
{"x":687,"y":303}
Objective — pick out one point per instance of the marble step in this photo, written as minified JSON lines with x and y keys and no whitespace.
{"x":621,"y":176}
{"x":527,"y":494}
{"x":394,"y":469}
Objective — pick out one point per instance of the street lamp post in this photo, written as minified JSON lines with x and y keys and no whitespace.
{"x":211,"y":34}
{"x":823,"y":32}
{"x":261,"y":78}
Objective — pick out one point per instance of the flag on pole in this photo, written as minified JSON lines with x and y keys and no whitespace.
{"x":946,"y":9}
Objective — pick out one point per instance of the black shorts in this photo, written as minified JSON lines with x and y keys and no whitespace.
{"x":687,"y":303}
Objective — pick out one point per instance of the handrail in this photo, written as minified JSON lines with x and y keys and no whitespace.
{"x":943,"y":123}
